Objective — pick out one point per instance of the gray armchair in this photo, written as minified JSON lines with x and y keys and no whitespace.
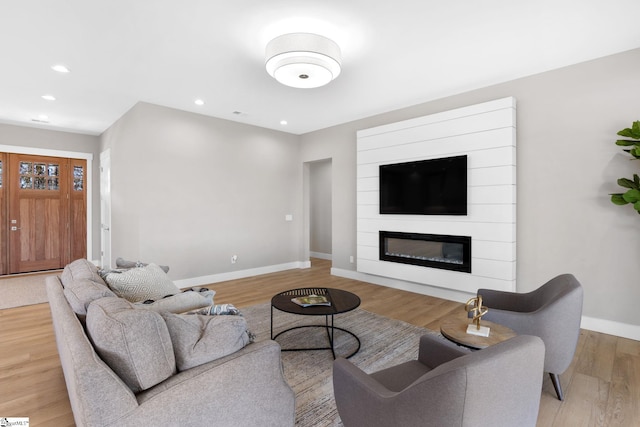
{"x":446,"y":386}
{"x":551,"y":312}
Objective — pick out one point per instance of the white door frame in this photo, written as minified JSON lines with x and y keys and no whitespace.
{"x":69,"y":155}
{"x":105,"y":208}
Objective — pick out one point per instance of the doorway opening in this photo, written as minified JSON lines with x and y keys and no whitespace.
{"x":320,"y":209}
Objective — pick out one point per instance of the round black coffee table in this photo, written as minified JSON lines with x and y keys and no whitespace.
{"x":341,"y":302}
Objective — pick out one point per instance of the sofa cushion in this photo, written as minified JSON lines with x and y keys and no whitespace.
{"x":200,"y":339}
{"x":80,"y":269}
{"x":141,"y":283}
{"x":134,"y":343}
{"x":82,"y":292}
{"x":82,"y":285}
{"x":179,"y":303}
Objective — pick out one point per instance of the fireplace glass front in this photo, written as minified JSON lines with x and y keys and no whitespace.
{"x":427,"y":250}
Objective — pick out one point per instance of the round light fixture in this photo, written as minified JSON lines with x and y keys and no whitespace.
{"x":303,"y":60}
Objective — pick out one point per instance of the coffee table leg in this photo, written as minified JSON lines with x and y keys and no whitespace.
{"x":330,"y":330}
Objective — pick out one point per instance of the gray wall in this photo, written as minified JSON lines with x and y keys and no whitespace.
{"x":21,"y":136}
{"x":567,"y":121}
{"x":190,"y":191}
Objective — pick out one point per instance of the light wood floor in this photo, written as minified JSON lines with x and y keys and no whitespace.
{"x":602,"y":386}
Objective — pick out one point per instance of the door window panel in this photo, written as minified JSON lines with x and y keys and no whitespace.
{"x":39,"y":176}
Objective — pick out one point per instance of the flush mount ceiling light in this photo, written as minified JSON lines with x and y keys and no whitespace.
{"x":303,"y":60}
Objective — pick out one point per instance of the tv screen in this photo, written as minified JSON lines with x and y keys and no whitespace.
{"x":426,"y":187}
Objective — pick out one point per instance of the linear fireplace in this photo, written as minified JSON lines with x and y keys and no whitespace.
{"x":427,"y":250}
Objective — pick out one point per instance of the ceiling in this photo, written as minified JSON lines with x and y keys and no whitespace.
{"x":395,"y":54}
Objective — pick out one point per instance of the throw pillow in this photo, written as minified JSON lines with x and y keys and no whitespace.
{"x":200,"y":339}
{"x":134,"y":343}
{"x":179,"y":303}
{"x":141,"y":284}
{"x":122,"y":263}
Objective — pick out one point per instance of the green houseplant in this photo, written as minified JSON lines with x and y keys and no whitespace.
{"x":632,"y":195}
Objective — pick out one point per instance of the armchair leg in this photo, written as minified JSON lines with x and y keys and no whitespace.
{"x":555,"y":379}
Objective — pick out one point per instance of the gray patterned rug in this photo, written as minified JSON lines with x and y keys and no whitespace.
{"x":384,"y":342}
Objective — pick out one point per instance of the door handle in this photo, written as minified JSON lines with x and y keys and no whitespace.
{"x":15,"y":228}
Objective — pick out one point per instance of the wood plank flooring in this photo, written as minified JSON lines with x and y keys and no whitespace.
{"x":602,"y":385}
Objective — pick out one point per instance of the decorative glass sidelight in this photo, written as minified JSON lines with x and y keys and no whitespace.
{"x":427,"y":250}
{"x":78,"y":178}
{"x":38,"y":176}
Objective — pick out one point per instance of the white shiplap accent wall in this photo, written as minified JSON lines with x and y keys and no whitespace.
{"x":486,"y":133}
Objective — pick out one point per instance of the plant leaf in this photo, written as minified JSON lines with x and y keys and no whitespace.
{"x":633,"y":132}
{"x":636,"y":206}
{"x":617,"y":199}
{"x":632,"y":196}
{"x":627,"y":183}
{"x":626,"y":142}
{"x":636,"y":179}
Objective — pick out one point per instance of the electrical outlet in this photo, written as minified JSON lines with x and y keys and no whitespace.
{"x":351,"y":259}
{"x":234,"y":259}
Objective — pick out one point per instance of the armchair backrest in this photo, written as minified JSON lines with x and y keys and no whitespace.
{"x":501,"y":383}
{"x":552,"y":312}
{"x":497,"y":386}
{"x":563,"y":289}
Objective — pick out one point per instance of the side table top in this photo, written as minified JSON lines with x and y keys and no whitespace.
{"x":455,"y":329}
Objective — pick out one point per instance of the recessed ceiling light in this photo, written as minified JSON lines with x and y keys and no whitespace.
{"x":49,"y":97}
{"x":60,"y":68}
{"x":198,"y":102}
{"x":283,"y":122}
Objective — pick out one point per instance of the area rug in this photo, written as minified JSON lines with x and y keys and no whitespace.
{"x":384,"y":342}
{"x":17,"y":291}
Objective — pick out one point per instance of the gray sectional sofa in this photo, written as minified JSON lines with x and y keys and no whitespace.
{"x":242,"y":388}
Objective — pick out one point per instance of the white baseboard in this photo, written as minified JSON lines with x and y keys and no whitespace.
{"x":321,"y":255}
{"x":241,"y":274}
{"x":610,"y":327}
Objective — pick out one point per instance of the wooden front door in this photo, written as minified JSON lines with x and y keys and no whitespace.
{"x":4,"y":244}
{"x":46,"y":221}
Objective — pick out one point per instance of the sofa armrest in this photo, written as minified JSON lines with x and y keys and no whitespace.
{"x":245,"y":388}
{"x":87,"y":377}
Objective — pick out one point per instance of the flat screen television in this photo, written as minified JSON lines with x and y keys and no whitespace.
{"x":425,"y":187}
